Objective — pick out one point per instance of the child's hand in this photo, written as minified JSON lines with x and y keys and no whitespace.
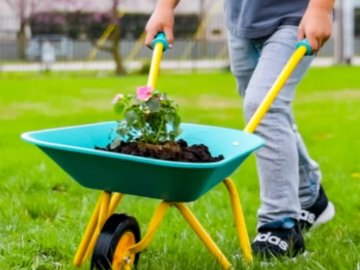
{"x":316,"y":26}
{"x":162,"y":20}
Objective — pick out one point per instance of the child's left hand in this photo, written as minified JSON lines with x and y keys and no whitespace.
{"x":316,"y":26}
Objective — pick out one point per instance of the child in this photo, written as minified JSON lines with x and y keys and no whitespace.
{"x":262,"y":37}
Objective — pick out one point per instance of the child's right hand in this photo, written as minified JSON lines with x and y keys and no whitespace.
{"x":162,"y":20}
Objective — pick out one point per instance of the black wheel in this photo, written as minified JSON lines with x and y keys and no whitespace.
{"x":119,"y":232}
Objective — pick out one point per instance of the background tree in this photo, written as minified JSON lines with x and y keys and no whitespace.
{"x":25,"y":9}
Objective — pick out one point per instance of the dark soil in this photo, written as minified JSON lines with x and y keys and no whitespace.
{"x":171,"y":151}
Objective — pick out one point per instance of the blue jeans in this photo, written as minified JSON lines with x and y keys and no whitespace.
{"x":289,"y":178}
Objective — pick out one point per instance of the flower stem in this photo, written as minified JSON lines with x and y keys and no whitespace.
{"x":160,"y":129}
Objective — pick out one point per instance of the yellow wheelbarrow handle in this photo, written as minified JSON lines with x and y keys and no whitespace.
{"x":303,"y":48}
{"x":159,"y":45}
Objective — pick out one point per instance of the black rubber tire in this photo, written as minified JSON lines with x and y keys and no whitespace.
{"x":110,"y":235}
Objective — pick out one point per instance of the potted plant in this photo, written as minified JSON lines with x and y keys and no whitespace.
{"x":150,"y":126}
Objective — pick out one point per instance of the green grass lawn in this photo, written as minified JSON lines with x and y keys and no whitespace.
{"x":43,"y":212}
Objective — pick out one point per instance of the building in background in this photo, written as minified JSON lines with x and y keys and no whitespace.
{"x":211,"y":10}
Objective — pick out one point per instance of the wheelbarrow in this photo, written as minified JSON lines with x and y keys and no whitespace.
{"x":114,"y":239}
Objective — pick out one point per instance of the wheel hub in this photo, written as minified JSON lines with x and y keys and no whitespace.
{"x":122,"y":260}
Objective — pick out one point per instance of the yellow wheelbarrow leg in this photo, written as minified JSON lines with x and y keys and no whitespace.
{"x":103,"y":215}
{"x":104,"y":208}
{"x":115,"y":200}
{"x":239,"y":221}
{"x":154,"y":224}
{"x":203,"y":235}
{"x":87,"y":235}
{"x":194,"y":223}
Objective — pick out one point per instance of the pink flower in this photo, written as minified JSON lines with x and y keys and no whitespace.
{"x":144,"y":93}
{"x":117,"y":98}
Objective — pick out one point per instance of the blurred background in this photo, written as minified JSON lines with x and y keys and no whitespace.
{"x":109,"y":35}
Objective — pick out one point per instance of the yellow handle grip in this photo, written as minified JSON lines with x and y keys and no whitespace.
{"x":155,"y":65}
{"x":275,"y":89}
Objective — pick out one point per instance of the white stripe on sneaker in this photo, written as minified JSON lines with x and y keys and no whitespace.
{"x":326,"y":215}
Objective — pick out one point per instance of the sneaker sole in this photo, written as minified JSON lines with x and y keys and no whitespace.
{"x":325,"y":216}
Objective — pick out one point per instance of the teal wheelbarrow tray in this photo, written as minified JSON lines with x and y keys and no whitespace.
{"x":73,"y":149}
{"x":115,"y":239}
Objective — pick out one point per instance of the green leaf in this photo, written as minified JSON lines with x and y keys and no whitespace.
{"x":170,"y":117}
{"x":131,"y":116}
{"x":177,"y":131}
{"x":172,"y":136}
{"x":177,"y":121}
{"x":138,"y":124}
{"x":153,"y":104}
{"x":115,"y":143}
{"x":119,"y":108}
{"x":123,"y":131}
